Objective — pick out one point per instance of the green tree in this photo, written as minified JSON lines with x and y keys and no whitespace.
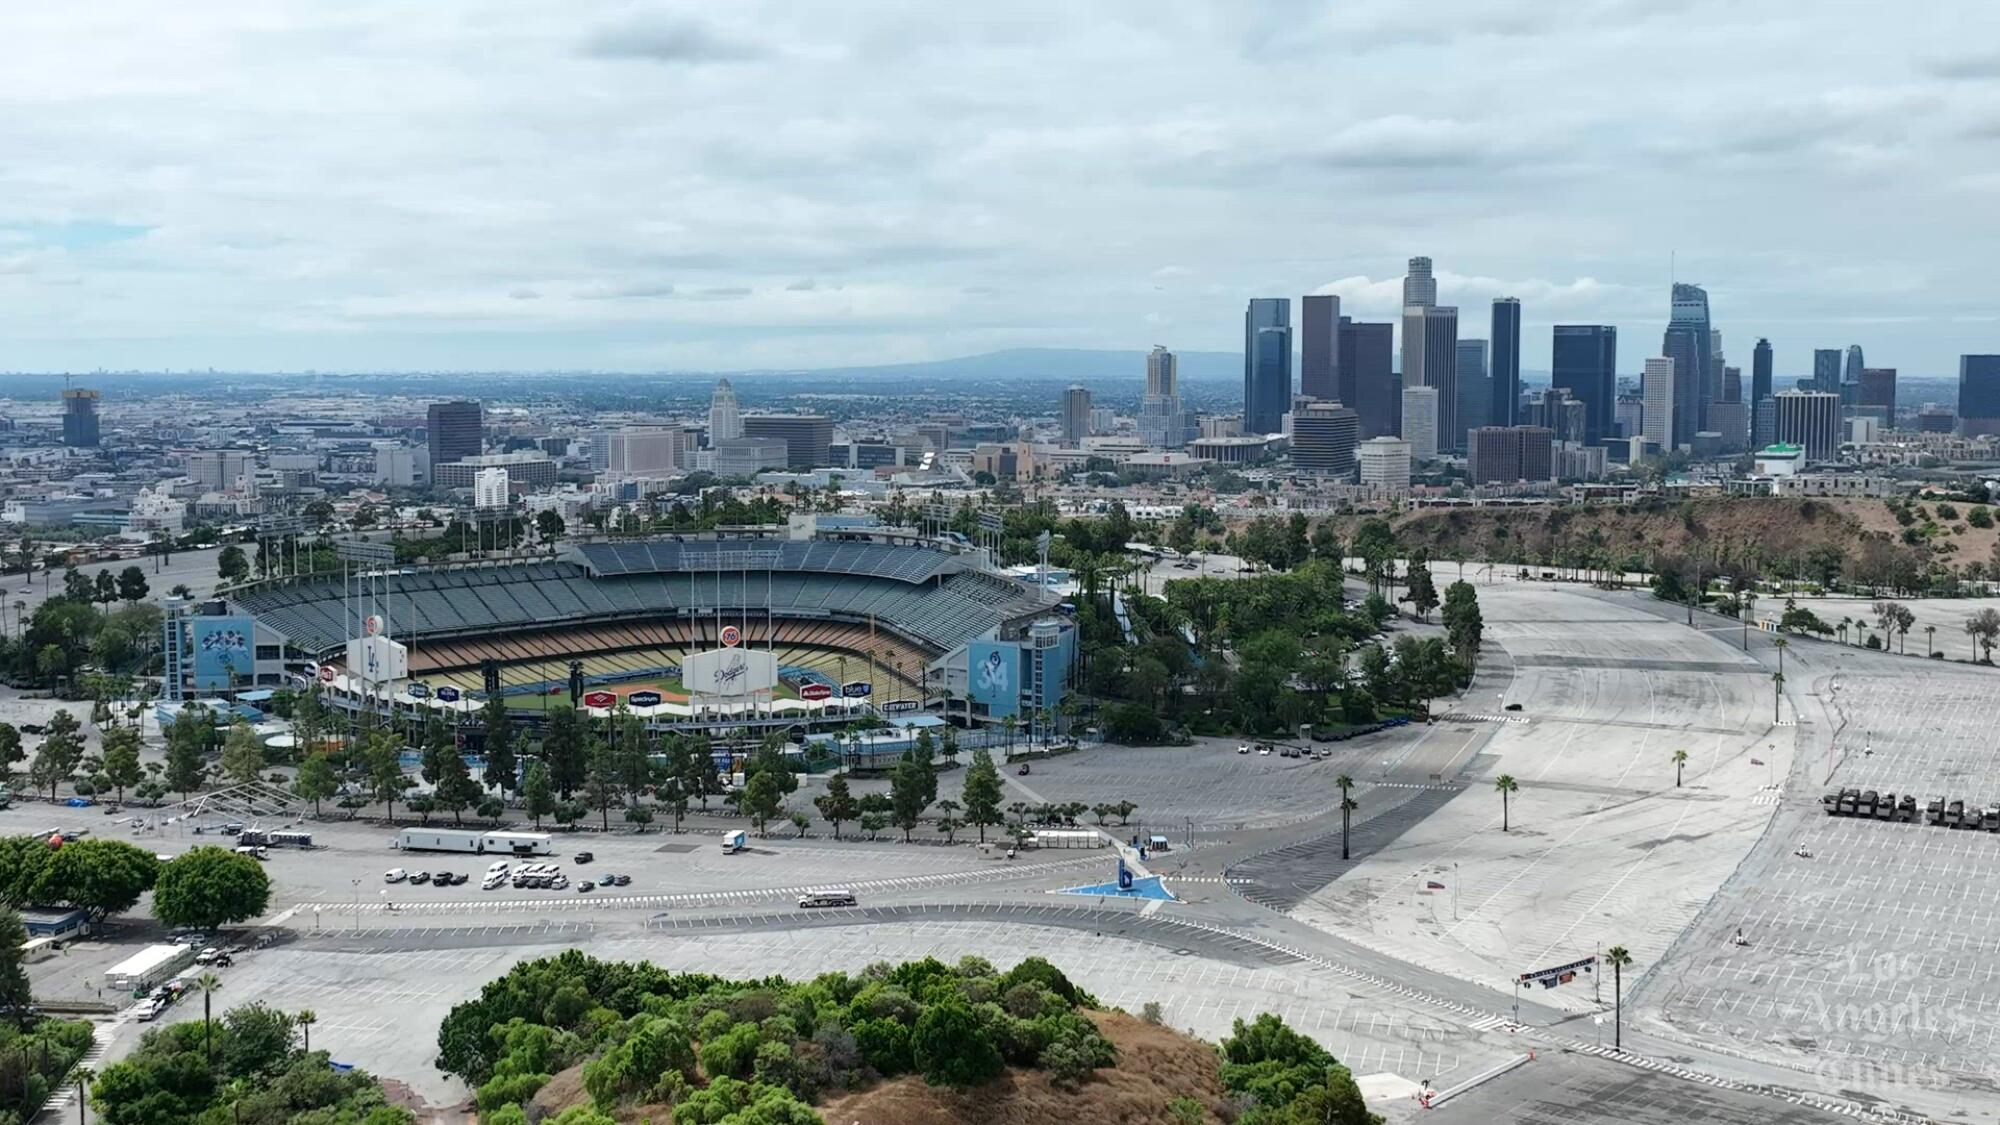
{"x":187,"y":738}
{"x":1680,"y":762}
{"x":121,"y":759}
{"x":549,"y":525}
{"x":501,"y":766}
{"x":102,"y":877}
{"x":837,"y":804}
{"x":600,"y":779}
{"x":982,"y":793}
{"x":563,"y":751}
{"x":953,"y":1048}
{"x":209,"y":887}
{"x":906,"y":793}
{"x":1421,"y":592}
{"x":17,"y":999}
{"x":1617,"y":957}
{"x":132,"y":584}
{"x":1506,"y":786}
{"x":316,"y":780}
{"x":11,"y":753}
{"x":60,"y":753}
{"x":632,"y":752}
{"x":454,"y":790}
{"x":537,"y":793}
{"x":382,"y":757}
{"x":242,"y":755}
{"x":231,"y":565}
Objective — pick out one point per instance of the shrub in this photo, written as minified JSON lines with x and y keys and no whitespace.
{"x":1151,"y":1012}
{"x":953,"y":1049}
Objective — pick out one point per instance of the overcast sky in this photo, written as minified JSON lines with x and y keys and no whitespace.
{"x":572,"y":184}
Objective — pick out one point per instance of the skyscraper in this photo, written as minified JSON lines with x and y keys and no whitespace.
{"x":1319,"y":347}
{"x":1267,"y":364}
{"x":1851,"y":373}
{"x":1810,"y":419}
{"x":80,"y":429}
{"x":1324,"y":438}
{"x":1878,"y":388}
{"x":1368,"y":376}
{"x":1162,"y":422}
{"x":1420,"y":422}
{"x":1430,"y":359}
{"x":1583,"y":360}
{"x":1826,"y":369}
{"x":1385,"y":463}
{"x":1689,"y":344}
{"x":1420,"y":289}
{"x":1163,"y":374}
{"x":1760,"y":372}
{"x":1475,"y":390}
{"x":1504,"y":403}
{"x":1732,"y":385}
{"x":1662,"y":396}
{"x":1076,"y":415}
{"x":1506,"y":454}
{"x":1978,"y":395}
{"x":808,"y":438}
{"x":725,"y":418}
{"x":456,"y":430}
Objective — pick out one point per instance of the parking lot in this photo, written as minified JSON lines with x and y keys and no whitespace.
{"x":1559,"y":1089}
{"x":1876,"y":961}
{"x":1602,"y":847}
{"x":369,"y":1003}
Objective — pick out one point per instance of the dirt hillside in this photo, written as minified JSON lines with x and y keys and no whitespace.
{"x":1155,"y":1066}
{"x":1769,"y":535}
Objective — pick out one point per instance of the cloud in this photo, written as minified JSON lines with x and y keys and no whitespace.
{"x":642,"y":290}
{"x":670,"y":40}
{"x":796,"y":184}
{"x":1969,"y":67}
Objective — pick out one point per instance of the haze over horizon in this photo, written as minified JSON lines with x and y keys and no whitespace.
{"x":635,"y":187}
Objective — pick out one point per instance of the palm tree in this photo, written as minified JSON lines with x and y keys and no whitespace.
{"x":1680,"y":760}
{"x":1747,"y":603}
{"x":1617,"y":958}
{"x":1010,"y":724}
{"x":1929,"y":632}
{"x":306,"y":1019}
{"x":1777,"y":693}
{"x":83,"y":1076}
{"x":1347,"y":805}
{"x":1506,"y":785}
{"x":206,"y":984}
{"x":1781,"y":644}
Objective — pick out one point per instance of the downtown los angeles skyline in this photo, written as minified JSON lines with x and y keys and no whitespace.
{"x":652,"y":187}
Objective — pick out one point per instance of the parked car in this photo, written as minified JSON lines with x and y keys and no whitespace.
{"x":583,"y":857}
{"x":419,"y":878}
{"x":624,"y":880}
{"x":395,"y":875}
{"x":585,"y":887}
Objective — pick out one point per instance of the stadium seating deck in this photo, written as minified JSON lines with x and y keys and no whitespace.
{"x":925,"y":595}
